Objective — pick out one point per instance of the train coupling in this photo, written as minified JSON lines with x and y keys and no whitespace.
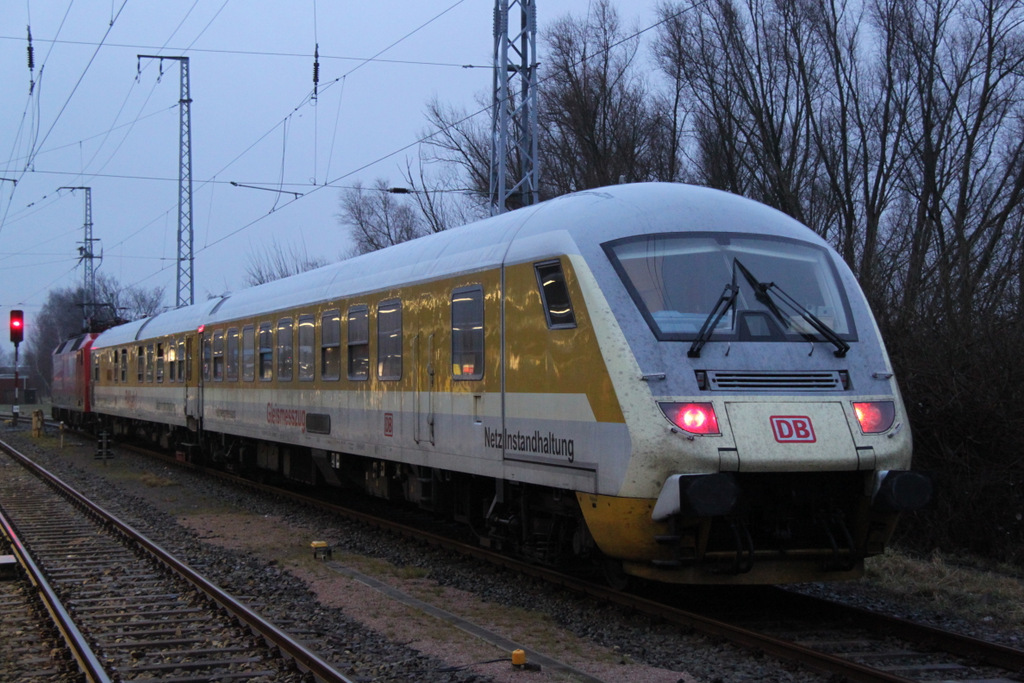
{"x":900,"y":490}
{"x":701,"y":495}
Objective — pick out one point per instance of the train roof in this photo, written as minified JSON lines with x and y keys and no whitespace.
{"x":558,"y":226}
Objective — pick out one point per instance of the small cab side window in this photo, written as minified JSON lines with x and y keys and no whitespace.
{"x":554,"y":294}
{"x":330,"y":345}
{"x":389,"y":340}
{"x":285,"y":349}
{"x":468,"y":333}
{"x":266,"y":358}
{"x":358,"y":342}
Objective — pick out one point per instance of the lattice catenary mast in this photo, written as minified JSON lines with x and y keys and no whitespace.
{"x":185,"y":286}
{"x":86,"y":256}
{"x":514,"y":116}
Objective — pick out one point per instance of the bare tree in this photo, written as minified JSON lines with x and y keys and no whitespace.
{"x":462,"y":140}
{"x":278,"y":261}
{"x":443,"y":200}
{"x":598,"y":122}
{"x":377,"y":219}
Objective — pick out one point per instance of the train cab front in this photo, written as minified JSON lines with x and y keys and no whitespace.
{"x":774,"y":433}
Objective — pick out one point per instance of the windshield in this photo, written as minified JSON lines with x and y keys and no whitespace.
{"x":677,"y":280}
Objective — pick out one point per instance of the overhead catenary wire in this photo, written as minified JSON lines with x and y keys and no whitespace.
{"x":336,"y":180}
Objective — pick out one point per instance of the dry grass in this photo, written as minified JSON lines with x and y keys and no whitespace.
{"x":156,"y":481}
{"x":953,"y":586}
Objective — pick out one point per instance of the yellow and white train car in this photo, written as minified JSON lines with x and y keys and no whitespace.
{"x":683,"y":384}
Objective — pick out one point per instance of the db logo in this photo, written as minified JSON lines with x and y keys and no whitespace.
{"x":792,"y":429}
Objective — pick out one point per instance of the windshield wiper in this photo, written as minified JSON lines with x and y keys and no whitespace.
{"x":722,"y":306}
{"x":763,"y":293}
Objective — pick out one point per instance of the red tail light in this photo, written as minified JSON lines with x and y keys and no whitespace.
{"x":695,"y":418}
{"x":875,"y":417}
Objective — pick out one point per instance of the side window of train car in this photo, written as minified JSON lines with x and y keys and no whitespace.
{"x":149,"y":364}
{"x":389,"y":340}
{"x":171,"y":357}
{"x":330,"y":345}
{"x":266,"y":358}
{"x":141,"y":362}
{"x":124,"y":365}
{"x":207,"y":358}
{"x":358,"y":343}
{"x":284,"y":349}
{"x":307,"y":338}
{"x":231,"y":366}
{"x":554,"y":294}
{"x":248,"y":353}
{"x":218,"y":356}
{"x":468,"y":333}
{"x":159,"y":362}
{"x":185,"y":359}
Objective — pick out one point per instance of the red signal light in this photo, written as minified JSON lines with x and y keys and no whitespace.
{"x":17,"y":326}
{"x":695,"y":418}
{"x":875,"y":417}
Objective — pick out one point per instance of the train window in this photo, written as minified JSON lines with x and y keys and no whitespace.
{"x":679,"y":280}
{"x":285,"y":344}
{"x":306,"y":341}
{"x":248,"y":353}
{"x":266,"y":358}
{"x":149,"y":364}
{"x":159,"y":362}
{"x":554,"y":295}
{"x":358,"y":342}
{"x":124,"y":365}
{"x":184,"y":360}
{"x":389,"y":340}
{"x":207,"y":358}
{"x":330,"y":345}
{"x":172,"y":365}
{"x":231,"y":365}
{"x":218,"y":356}
{"x":141,"y":363}
{"x":468,"y":333}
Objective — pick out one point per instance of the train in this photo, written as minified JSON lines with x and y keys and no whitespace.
{"x":653,"y":380}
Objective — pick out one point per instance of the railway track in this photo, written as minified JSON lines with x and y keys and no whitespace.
{"x":127,"y":609}
{"x":849,"y":643}
{"x":836,"y":639}
{"x":829,"y":637}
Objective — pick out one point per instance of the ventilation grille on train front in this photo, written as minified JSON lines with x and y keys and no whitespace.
{"x":773,"y":381}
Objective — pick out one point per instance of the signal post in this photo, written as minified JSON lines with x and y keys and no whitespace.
{"x":17,"y":335}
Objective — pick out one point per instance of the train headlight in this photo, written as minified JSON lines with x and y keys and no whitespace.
{"x":695,"y":418}
{"x":875,"y":417}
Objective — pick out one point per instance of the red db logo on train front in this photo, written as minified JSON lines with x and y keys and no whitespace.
{"x":792,"y":429}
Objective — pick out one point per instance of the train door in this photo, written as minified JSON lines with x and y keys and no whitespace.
{"x":425,"y":369}
{"x":193,"y":384}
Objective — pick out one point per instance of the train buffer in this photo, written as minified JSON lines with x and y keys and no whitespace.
{"x":321,"y":551}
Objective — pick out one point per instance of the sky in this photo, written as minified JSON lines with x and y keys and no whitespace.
{"x":92,"y":114}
